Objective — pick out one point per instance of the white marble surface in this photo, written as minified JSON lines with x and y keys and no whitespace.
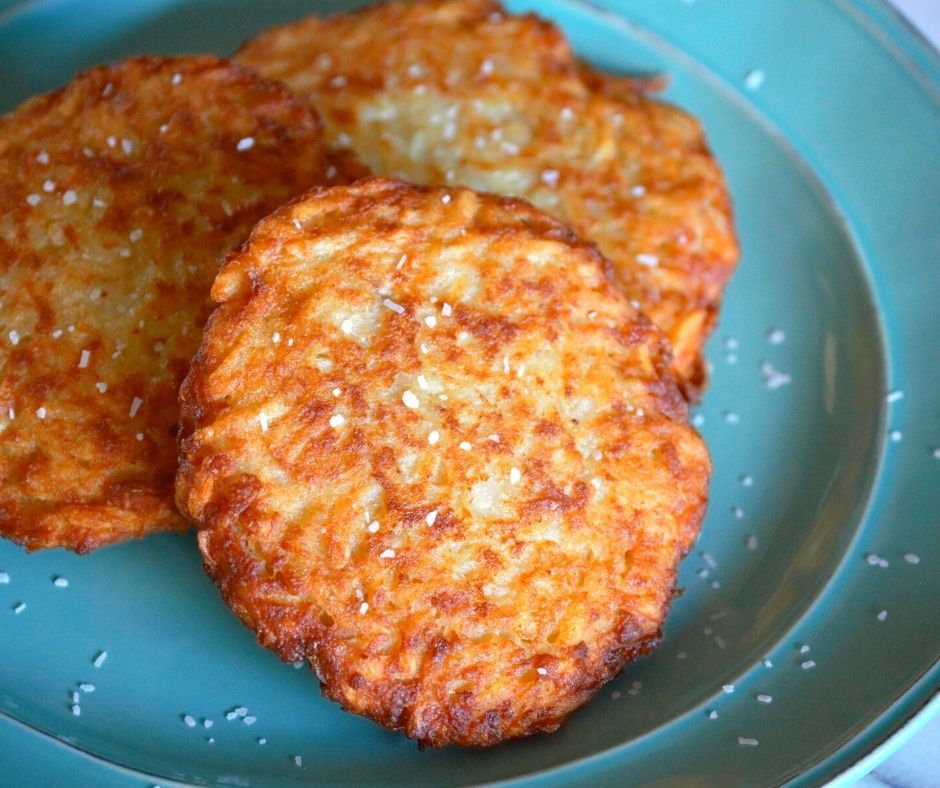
{"x":917,"y":763}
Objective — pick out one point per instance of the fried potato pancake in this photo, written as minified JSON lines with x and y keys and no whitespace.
{"x":119,"y":195}
{"x":435,"y":452}
{"x":459,"y":92}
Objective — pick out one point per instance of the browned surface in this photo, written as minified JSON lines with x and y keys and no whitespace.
{"x":456,"y":92}
{"x":139,"y":189}
{"x":526,"y":589}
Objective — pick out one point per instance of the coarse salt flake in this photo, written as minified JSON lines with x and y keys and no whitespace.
{"x":276,"y":337}
{"x":60,"y":582}
{"x":446,"y":310}
{"x":765,"y":698}
{"x":396,"y":308}
{"x":33,"y":199}
{"x":245,"y":143}
{"x":373,"y":526}
{"x":69,"y":197}
{"x":550,"y":178}
{"x":912,"y":558}
{"x":773,"y":377}
{"x":48,"y":185}
{"x":883,"y":615}
{"x":19,"y":607}
{"x":514,"y":475}
{"x":346,"y":326}
{"x":433,"y":437}
{"x":86,"y":687}
{"x":189,"y":720}
{"x":337,"y":420}
{"x":99,"y":659}
{"x":42,"y":157}
{"x":728,"y":689}
{"x":431,"y":516}
{"x":649,"y":260}
{"x":4,"y":578}
{"x":388,"y":553}
{"x":744,"y":741}
{"x":409,"y":399}
{"x":14,"y":337}
{"x":754,"y":78}
{"x":176,"y":79}
{"x":263,"y":421}
{"x":85,"y":358}
{"x":894,"y":396}
{"x":430,"y":321}
{"x":41,"y":413}
{"x":135,"y":406}
{"x":808,"y":664}
{"x":465,"y":445}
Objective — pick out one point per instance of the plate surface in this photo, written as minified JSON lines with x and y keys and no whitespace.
{"x":826,"y":493}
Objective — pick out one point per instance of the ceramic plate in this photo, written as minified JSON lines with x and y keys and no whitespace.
{"x":808,"y":631}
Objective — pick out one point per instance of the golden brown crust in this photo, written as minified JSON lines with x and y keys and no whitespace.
{"x":118,"y":196}
{"x":434,"y":451}
{"x":457,"y":91}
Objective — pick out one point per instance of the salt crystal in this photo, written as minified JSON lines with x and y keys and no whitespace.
{"x":245,"y":143}
{"x":754,"y":78}
{"x":773,"y":377}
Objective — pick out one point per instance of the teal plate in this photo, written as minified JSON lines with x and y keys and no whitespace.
{"x":815,"y":582}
